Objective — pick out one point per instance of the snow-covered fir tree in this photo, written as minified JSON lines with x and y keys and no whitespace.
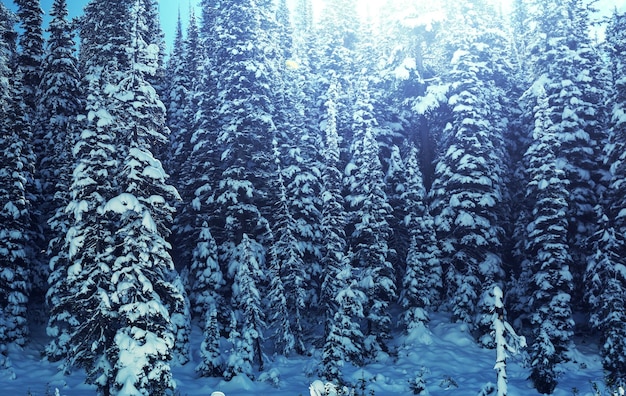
{"x":370,"y":212}
{"x":340,"y":297}
{"x":16,"y":170}
{"x":207,"y":300}
{"x":121,"y":205}
{"x":287,"y":286}
{"x":143,"y":292}
{"x":59,"y":105}
{"x":297,"y":139}
{"x":605,"y":277}
{"x":246,"y":336}
{"x":549,"y":260}
{"x":467,"y":190}
{"x":342,"y":343}
{"x":182,"y":101}
{"x":569,"y":67}
{"x":422,"y":280}
{"x":235,"y":118}
{"x":31,"y":43}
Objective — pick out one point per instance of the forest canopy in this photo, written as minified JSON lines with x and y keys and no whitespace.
{"x":310,"y":186}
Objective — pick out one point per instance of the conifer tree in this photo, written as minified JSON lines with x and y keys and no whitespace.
{"x":566,"y":63}
{"x":468,"y":188}
{"x":212,"y":363}
{"x":120,"y":208}
{"x":143,"y":287}
{"x":207,"y":300}
{"x":342,"y":341}
{"x":605,"y":276}
{"x":370,"y":210}
{"x":181,"y":160}
{"x":31,"y":43}
{"x":247,"y":334}
{"x":422,"y":283}
{"x":340,"y":297}
{"x":237,"y":114}
{"x":16,"y":169}
{"x":287,"y":287}
{"x":333,"y":215}
{"x":297,"y":148}
{"x":29,"y":62}
{"x":175,"y":90}
{"x":551,"y":280}
{"x":80,"y":315}
{"x":605,"y":292}
{"x":395,"y":185}
{"x":59,"y":105}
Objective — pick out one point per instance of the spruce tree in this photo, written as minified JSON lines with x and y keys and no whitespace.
{"x":287,"y":287}
{"x":16,"y":169}
{"x":422,"y":280}
{"x":247,"y":334}
{"x":604,"y":276}
{"x":342,"y":343}
{"x":181,"y":159}
{"x":605,"y":280}
{"x":120,"y":208}
{"x":341,"y":300}
{"x":59,"y":105}
{"x":31,"y":43}
{"x":370,"y":212}
{"x":231,"y":152}
{"x":467,"y":192}
{"x":549,"y":260}
{"x":207,"y":300}
{"x":567,"y":64}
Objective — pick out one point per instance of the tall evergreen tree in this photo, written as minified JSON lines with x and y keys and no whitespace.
{"x":143,"y":292}
{"x":60,"y":104}
{"x":82,"y":309}
{"x":422,"y":281}
{"x":342,"y":301}
{"x":237,"y":115}
{"x":551,"y":280}
{"x":569,"y":67}
{"x":342,"y":341}
{"x":182,"y":156}
{"x":287,"y":286}
{"x":29,"y":62}
{"x":468,"y":188}
{"x":605,"y":276}
{"x":16,"y":169}
{"x":230,"y":161}
{"x":371,"y":211}
{"x":120,"y":209}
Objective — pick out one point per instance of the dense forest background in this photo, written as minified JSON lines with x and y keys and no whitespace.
{"x":298,"y":185}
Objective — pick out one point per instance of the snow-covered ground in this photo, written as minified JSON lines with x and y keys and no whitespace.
{"x":446,"y":357}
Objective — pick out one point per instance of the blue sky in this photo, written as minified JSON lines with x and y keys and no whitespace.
{"x":168,"y":8}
